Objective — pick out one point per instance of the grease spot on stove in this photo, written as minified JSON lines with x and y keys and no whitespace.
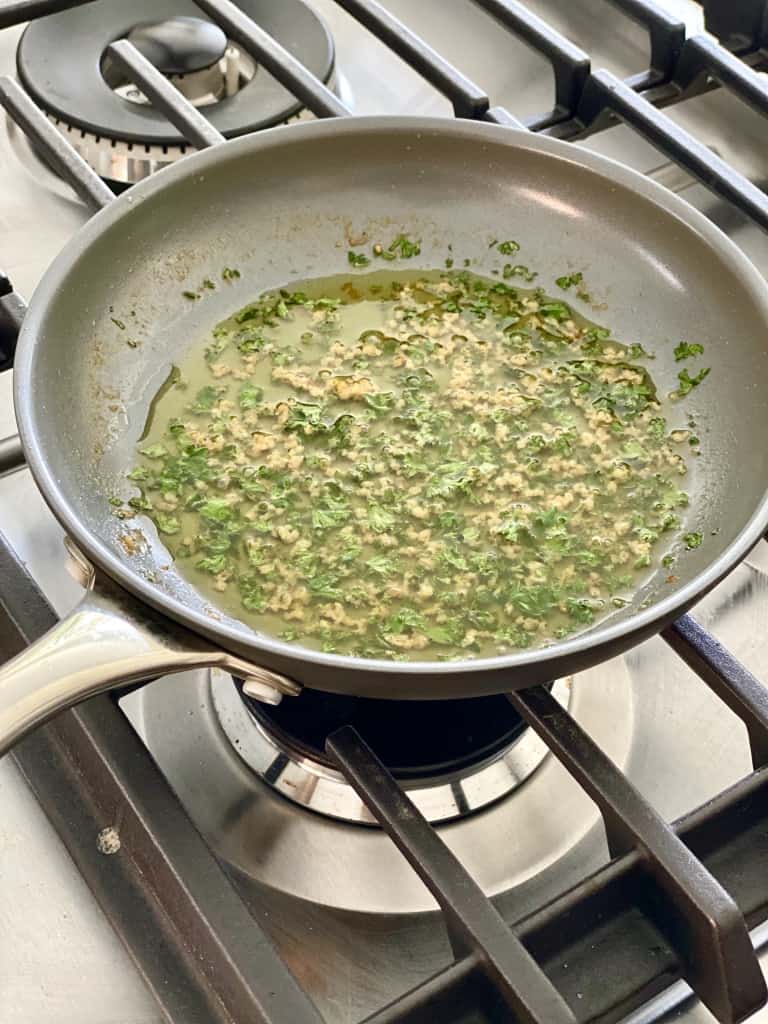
{"x":108,"y":841}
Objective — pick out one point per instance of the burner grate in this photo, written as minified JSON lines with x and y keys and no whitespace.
{"x":677,"y":900}
{"x":204,"y":957}
{"x":11,"y":314}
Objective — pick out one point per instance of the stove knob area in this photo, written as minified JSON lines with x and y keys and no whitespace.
{"x":179,"y":46}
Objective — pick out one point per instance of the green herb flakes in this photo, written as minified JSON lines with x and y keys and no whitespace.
{"x":688,"y":383}
{"x":568,"y":280}
{"x":167,"y":524}
{"x":357,"y":259}
{"x":508,"y":248}
{"x":518,"y":271}
{"x":401,"y":246}
{"x":250,"y":396}
{"x":415,"y":465}
{"x":686,"y":351}
{"x":206,"y":398}
{"x":153,"y":451}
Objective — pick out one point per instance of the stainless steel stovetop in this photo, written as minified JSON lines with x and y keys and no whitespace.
{"x":354,"y":923}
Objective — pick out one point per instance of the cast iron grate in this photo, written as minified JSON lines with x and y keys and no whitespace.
{"x":677,"y":900}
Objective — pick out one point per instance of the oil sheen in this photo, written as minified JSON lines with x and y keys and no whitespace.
{"x":414,"y":465}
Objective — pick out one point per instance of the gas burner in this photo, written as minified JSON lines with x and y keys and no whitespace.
{"x":195,"y":55}
{"x":205,"y":740}
{"x":453,"y":757}
{"x":107,"y":118}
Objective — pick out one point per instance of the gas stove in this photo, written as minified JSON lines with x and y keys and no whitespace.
{"x":254,"y":860}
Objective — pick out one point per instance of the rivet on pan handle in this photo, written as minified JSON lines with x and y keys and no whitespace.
{"x":269,"y":687}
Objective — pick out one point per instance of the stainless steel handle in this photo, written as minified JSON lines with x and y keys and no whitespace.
{"x":11,"y":455}
{"x":109,"y":639}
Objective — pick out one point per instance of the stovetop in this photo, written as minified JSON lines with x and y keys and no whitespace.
{"x":344,"y":909}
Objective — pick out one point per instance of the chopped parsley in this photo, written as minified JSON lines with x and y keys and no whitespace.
{"x":415,"y":465}
{"x":166,"y":523}
{"x":636,"y":351}
{"x":686,"y":351}
{"x":250,"y":396}
{"x":508,"y":270}
{"x":206,"y":398}
{"x":688,"y":383}
{"x":153,"y":451}
{"x":508,"y":248}
{"x":401,"y":246}
{"x":568,"y":280}
{"x":555,"y":309}
{"x":357,"y":259}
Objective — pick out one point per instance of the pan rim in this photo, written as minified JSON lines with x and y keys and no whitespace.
{"x":619,"y":634}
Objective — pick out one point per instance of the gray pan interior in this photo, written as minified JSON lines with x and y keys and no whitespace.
{"x":285,"y":204}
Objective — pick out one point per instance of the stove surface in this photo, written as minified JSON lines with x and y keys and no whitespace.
{"x":336,"y":896}
{"x":338,"y":899}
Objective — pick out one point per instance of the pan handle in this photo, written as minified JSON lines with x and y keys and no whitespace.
{"x":109,"y":639}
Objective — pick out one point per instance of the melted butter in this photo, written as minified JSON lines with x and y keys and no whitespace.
{"x":495,"y":508}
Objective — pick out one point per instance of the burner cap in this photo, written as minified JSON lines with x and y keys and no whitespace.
{"x":59,"y":61}
{"x":178,"y":46}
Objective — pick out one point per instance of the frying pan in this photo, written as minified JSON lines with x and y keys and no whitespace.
{"x":287,"y":204}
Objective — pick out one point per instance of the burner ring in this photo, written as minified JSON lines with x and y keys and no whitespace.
{"x":50,"y":47}
{"x":308,"y":782}
{"x":119,"y":162}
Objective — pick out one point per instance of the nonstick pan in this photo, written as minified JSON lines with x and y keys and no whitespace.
{"x":286,"y":204}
